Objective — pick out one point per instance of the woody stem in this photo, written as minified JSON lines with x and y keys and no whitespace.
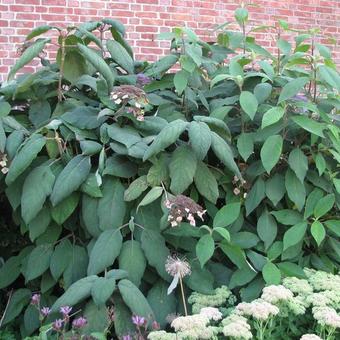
{"x":183,"y":296}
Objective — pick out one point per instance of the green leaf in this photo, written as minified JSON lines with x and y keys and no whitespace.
{"x":181,"y":81}
{"x":255,"y":196}
{"x":10,"y":271}
{"x":287,"y":216}
{"x":272,"y":116}
{"x":298,"y":162}
{"x":275,"y":188}
{"x":134,"y":299}
{"x":122,"y":321}
{"x":235,"y":254}
{"x":162,"y":65}
{"x":101,"y":290}
{"x":70,"y":178}
{"x":227,"y":215}
{"x":37,"y":186}
{"x":241,"y":15}
{"x":271,"y":152}
{"x":324,"y":205}
{"x":97,"y":320}
{"x":120,"y":166}
{"x":39,"y":224}
{"x":223,"y":232}
{"x":155,"y":251}
{"x":111,"y":207}
{"x":294,"y":235}
{"x":248,"y":103}
{"x":166,"y":137}
{"x":91,"y":187}
{"x":320,"y":163}
{"x":60,"y":258}
{"x":200,"y":139}
{"x":223,"y":151}
{"x":24,"y":157}
{"x":18,"y":301}
{"x":333,"y":225}
{"x":267,"y":228}
{"x":83,"y":117}
{"x":284,"y":46}
{"x":38,"y":261}
{"x":89,"y":147}
{"x":5,"y":109}
{"x":245,"y":145}
{"x":318,"y":232}
{"x":205,"y":249}
{"x":38,"y":31}
{"x":63,"y":210}
{"x":151,"y":196}
{"x":291,"y":269}
{"x":262,"y":92}
{"x":161,"y":303}
{"x":76,"y":293}
{"x":292,"y":88}
{"x":311,"y":201}
{"x":132,"y":259}
{"x":271,"y":274}
{"x":120,"y":55}
{"x":182,"y":169}
{"x":200,"y":279}
{"x":295,"y":189}
{"x":105,"y":251}
{"x":99,"y":64}
{"x":124,"y":135}
{"x":309,"y":125}
{"x":28,"y":55}
{"x":330,"y":76}
{"x":206,"y":182}
{"x":135,"y":189}
{"x":241,"y":277}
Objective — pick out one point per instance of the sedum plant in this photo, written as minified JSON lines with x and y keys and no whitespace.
{"x":109,"y":165}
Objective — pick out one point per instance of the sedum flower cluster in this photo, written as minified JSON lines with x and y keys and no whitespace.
{"x":237,"y":327}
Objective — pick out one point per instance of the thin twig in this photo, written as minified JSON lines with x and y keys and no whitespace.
{"x":4,"y":314}
{"x":183,"y":296}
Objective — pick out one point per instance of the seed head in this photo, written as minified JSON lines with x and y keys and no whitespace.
{"x":177,"y":267}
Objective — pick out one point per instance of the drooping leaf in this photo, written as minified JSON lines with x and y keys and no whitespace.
{"x":70,"y":178}
{"x":63,"y":210}
{"x":271,"y":274}
{"x":255,"y":196}
{"x":24,"y":157}
{"x":39,"y":223}
{"x":275,"y":188}
{"x":181,"y":81}
{"x":227,"y":215}
{"x":105,"y":251}
{"x":267,"y":228}
{"x":318,"y":232}
{"x":295,"y":189}
{"x":151,"y":196}
{"x":206,"y":182}
{"x":101,"y":290}
{"x":324,"y":205}
{"x":294,"y":235}
{"x":182,"y":169}
{"x":298,"y":162}
{"x":272,"y":116}
{"x":60,"y":258}
{"x":200,"y":139}
{"x":292,"y":88}
{"x":10,"y":271}
{"x":38,"y":261}
{"x":248,"y":103}
{"x":135,"y":189}
{"x":120,"y":55}
{"x":287,"y":216}
{"x":205,"y":249}
{"x":271,"y":152}
{"x":309,"y":125}
{"x":245,"y":145}
{"x":313,"y":198}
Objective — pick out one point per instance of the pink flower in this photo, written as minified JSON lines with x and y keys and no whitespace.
{"x":127,"y":337}
{"x":138,"y":320}
{"x":35,"y":299}
{"x":45,"y":311}
{"x":79,"y":322}
{"x":156,"y":326}
{"x":57,"y":325}
{"x":65,"y":310}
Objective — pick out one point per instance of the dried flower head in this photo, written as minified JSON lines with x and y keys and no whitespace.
{"x":176,"y":266}
{"x":79,"y":322}
{"x":183,"y":207}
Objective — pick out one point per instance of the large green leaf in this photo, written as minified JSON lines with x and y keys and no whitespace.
{"x":38,"y":225}
{"x":132,"y":259}
{"x":70,"y":178}
{"x":24,"y":157}
{"x":298,"y":162}
{"x":245,"y":145}
{"x":83,"y":117}
{"x":206,"y":182}
{"x":181,"y":81}
{"x":77,"y":292}
{"x":309,"y":125}
{"x":111,"y":207}
{"x":292,"y":88}
{"x":295,"y":189}
{"x":120,"y":55}
{"x":271,"y":152}
{"x":102,"y":289}
{"x":255,"y":196}
{"x":275,"y":188}
{"x":200,"y":138}
{"x":38,"y":261}
{"x":318,"y":232}
{"x":105,"y":251}
{"x":271,"y":274}
{"x":205,"y":248}
{"x":223,"y":151}
{"x":248,"y":103}
{"x":227,"y":215}
{"x":28,"y":55}
{"x":267,"y":228}
{"x":166,"y":137}
{"x":135,"y":189}
{"x":60,"y":258}
{"x":10,"y":271}
{"x":324,"y":205}
{"x":99,"y":64}
{"x":63,"y":210}
{"x":272,"y":116}
{"x":294,"y":235}
{"x":182,"y":169}
{"x":134,"y":299}
{"x":155,"y":251}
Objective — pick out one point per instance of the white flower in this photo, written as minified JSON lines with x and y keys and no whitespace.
{"x":275,"y":294}
{"x":326,"y":298}
{"x":321,"y":280}
{"x":190,"y":322}
{"x":236,"y":326}
{"x":118,"y":101}
{"x":326,"y":316}
{"x":310,"y":337}
{"x":162,"y":335}
{"x":297,"y":286}
{"x":211,"y":313}
{"x":258,"y":309}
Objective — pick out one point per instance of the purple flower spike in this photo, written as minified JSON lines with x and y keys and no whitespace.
{"x":127,"y":337}
{"x":35,"y":299}
{"x":45,"y":311}
{"x":138,"y":320}
{"x":65,"y":310}
{"x":57,"y":325}
{"x":79,"y":322}
{"x":142,"y":79}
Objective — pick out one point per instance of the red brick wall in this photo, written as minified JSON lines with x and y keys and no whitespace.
{"x":145,"y":18}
